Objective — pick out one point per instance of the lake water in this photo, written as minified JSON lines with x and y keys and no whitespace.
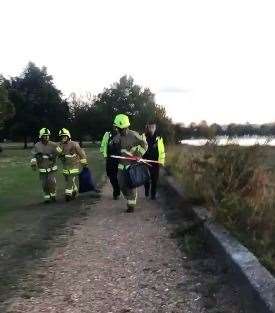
{"x":242,"y":141}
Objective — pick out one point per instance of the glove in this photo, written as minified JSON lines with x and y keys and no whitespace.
{"x":51,"y":157}
{"x":39,"y":156}
{"x":33,"y":167}
{"x":62,"y":157}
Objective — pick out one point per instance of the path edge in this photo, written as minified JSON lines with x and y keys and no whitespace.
{"x":254,"y":281}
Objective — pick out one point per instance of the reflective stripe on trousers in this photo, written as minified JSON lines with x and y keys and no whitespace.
{"x":130,"y":194}
{"x":70,"y":184}
{"x":48,"y":170}
{"x":71,"y":171}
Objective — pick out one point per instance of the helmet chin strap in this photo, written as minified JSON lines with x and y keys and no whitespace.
{"x":122,"y":131}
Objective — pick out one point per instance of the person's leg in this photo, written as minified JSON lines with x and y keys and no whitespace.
{"x":131,"y":199}
{"x":112,"y":172}
{"x":147,"y":185}
{"x":154,"y":180}
{"x":52,"y":185}
{"x":123,"y":186}
{"x":121,"y":182}
{"x":74,"y":186}
{"x":68,"y":187}
{"x":116,"y":184}
{"x":44,"y":181}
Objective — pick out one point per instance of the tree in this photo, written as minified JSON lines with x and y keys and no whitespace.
{"x":6,"y":106}
{"x":138,"y":103}
{"x":38,"y":103}
{"x":83,"y":122}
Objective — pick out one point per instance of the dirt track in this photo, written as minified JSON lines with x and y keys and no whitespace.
{"x":118,"y":262}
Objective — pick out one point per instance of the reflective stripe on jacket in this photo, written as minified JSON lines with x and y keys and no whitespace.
{"x":130,"y":144}
{"x":156,"y":149}
{"x":161,"y":150}
{"x":44,"y":156}
{"x":72,"y":156}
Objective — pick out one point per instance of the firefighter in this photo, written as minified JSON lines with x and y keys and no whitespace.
{"x":155,"y":151}
{"x":129,"y":143}
{"x":44,"y":159}
{"x":107,"y":149}
{"x":72,"y":157}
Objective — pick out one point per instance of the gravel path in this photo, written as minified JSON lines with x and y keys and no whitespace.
{"x":117,"y":262}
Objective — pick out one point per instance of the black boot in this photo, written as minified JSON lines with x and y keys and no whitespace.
{"x":130,"y":209}
{"x":116,"y":196}
{"x":74,"y":194}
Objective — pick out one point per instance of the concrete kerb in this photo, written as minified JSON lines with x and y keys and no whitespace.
{"x":256,"y":284}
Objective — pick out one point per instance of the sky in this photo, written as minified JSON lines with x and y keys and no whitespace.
{"x":208,"y":60}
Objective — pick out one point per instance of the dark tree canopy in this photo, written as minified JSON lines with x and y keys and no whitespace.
{"x":128,"y":98}
{"x":6,"y":106}
{"x":38,"y":103}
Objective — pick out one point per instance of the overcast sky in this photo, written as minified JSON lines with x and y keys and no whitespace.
{"x":212,"y":60}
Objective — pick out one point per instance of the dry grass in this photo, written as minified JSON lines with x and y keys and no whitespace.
{"x":237,"y":185}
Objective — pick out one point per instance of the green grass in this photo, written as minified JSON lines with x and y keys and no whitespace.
{"x":20,"y":186}
{"x":29,"y":228}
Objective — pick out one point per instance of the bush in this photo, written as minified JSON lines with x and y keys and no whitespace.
{"x":236,"y":186}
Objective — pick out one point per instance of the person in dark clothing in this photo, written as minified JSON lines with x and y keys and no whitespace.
{"x":107,"y":149}
{"x":156,"y":151}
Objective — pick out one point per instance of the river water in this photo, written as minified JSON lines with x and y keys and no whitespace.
{"x":242,"y":141}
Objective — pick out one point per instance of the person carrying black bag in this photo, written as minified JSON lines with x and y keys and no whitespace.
{"x":155,"y":151}
{"x":130,"y":144}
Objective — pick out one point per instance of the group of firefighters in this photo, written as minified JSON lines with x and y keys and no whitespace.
{"x":120,"y":147}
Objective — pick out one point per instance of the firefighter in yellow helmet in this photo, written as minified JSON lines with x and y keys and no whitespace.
{"x":44,"y":156}
{"x":72,"y":157}
{"x":129,"y":143}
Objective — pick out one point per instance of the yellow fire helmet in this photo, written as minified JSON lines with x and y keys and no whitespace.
{"x":121,"y":121}
{"x":44,"y":132}
{"x":64,"y":132}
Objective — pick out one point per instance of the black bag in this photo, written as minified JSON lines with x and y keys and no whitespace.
{"x":137,"y":175}
{"x":86,"y":182}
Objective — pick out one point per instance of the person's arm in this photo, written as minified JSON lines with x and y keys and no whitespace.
{"x":82,"y":155}
{"x":34,"y":158}
{"x":141,"y":145}
{"x":115,"y":145}
{"x":104,"y":144}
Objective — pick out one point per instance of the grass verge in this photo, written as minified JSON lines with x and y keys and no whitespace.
{"x":237,"y":185}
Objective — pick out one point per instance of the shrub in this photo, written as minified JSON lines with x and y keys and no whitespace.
{"x":236,"y":186}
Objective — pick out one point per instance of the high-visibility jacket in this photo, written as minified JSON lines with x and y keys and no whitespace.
{"x":104,"y":144}
{"x":130,"y":144}
{"x":72,"y":156}
{"x":156,"y":149}
{"x":44,"y":156}
{"x":161,"y":150}
{"x":107,"y":148}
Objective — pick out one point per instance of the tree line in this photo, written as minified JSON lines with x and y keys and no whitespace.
{"x":31,"y":101}
{"x":203,"y":130}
